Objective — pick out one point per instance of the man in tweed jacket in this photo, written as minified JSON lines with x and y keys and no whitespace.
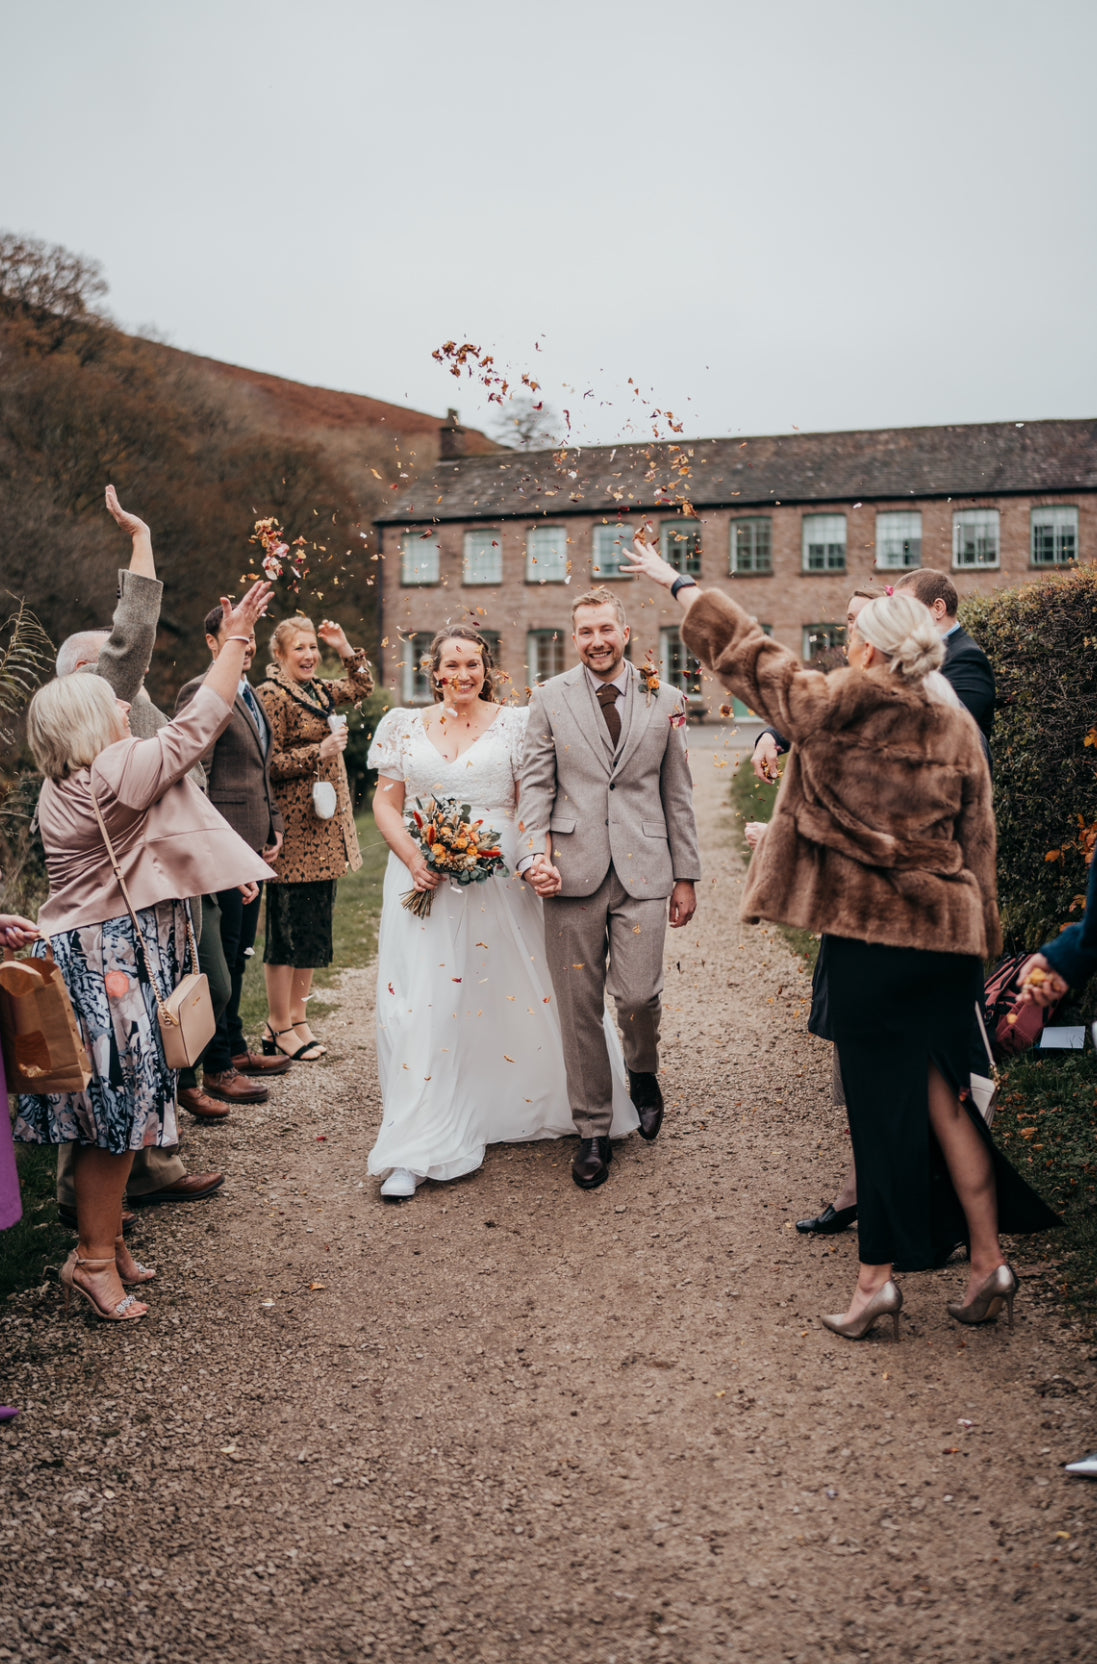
{"x":609,"y":841}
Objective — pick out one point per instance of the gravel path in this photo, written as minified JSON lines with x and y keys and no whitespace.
{"x":512,"y":1421}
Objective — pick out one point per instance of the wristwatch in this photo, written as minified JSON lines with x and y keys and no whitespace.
{"x":682,"y":583}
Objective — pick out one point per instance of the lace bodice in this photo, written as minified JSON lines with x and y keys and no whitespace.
{"x":485,"y":775}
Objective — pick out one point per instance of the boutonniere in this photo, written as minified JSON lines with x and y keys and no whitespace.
{"x":649,"y":678}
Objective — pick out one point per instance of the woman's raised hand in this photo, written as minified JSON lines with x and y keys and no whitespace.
{"x":334,"y":636}
{"x":242,"y":619}
{"x":647,"y":562}
{"x":130,"y":523}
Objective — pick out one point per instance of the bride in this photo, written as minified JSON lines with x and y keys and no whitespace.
{"x":468,"y":1039}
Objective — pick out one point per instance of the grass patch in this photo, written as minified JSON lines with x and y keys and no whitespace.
{"x":38,"y":1241}
{"x":1047,"y":1126}
{"x":751,"y":800}
{"x":357,"y":916}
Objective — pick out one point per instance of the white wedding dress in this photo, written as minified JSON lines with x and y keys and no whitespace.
{"x":468,"y":1039}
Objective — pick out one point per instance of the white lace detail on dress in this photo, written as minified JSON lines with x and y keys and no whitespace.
{"x":485,"y":774}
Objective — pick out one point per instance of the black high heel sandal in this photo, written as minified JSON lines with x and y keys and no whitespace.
{"x":271,"y":1048}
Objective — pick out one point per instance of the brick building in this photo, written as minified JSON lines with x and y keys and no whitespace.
{"x":788,"y":525}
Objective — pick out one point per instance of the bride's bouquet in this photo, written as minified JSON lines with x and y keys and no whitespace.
{"x":460,"y":848}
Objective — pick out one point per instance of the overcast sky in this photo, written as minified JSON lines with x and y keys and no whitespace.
{"x":790,"y":213}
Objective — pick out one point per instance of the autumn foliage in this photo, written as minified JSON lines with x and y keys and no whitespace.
{"x":1042,"y":641}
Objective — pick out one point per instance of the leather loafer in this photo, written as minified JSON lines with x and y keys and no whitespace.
{"x":192,"y":1187}
{"x":250,"y":1063}
{"x":829,"y":1222}
{"x":591,"y":1165}
{"x":67,"y":1216}
{"x":232,"y":1088}
{"x":647,"y":1098}
{"x":196,"y":1103}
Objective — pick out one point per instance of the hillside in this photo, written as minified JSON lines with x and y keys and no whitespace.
{"x":199,"y":448}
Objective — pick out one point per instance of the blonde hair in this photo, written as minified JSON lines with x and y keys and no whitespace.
{"x":70,"y":721}
{"x":902,"y":628}
{"x":283,"y":634}
{"x":600,"y":597}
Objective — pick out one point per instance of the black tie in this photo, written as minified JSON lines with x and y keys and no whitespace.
{"x":608,"y":696}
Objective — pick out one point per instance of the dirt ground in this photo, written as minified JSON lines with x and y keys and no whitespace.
{"x":513,"y":1421}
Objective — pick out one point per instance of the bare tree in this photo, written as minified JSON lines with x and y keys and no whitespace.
{"x":526,"y":423}
{"x":49,"y":287}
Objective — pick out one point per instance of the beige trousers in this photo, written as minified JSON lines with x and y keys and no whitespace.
{"x":608,"y":941}
{"x":152,"y":1169}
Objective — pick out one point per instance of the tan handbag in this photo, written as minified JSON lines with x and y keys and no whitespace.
{"x":44,"y":1051}
{"x":187,"y":1022}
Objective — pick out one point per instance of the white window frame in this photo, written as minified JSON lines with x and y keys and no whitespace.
{"x":675,"y":540}
{"x":415,"y":688}
{"x":536,"y":640}
{"x":420,"y":559}
{"x":1059,"y":517}
{"x":975,"y":519}
{"x":755,"y":571}
{"x":610,"y":533}
{"x":894,"y":528}
{"x":482,"y":557}
{"x":687,"y":681}
{"x":837,"y":633}
{"x":822,"y":530}
{"x":551,"y":565}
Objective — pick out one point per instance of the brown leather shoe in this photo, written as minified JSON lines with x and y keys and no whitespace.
{"x":194,"y":1100}
{"x":647,"y":1096}
{"x":591,"y":1165}
{"x":192,"y":1187}
{"x":250,"y":1063}
{"x":67,"y":1216}
{"x":233,"y":1088}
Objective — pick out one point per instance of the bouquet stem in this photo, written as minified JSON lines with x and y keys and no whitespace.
{"x":418,"y":902}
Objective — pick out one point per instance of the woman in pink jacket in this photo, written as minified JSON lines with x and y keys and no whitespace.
{"x":171,"y":843}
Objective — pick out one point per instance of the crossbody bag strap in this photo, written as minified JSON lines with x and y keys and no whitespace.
{"x":165,"y":1014}
{"x":986,"y":1039}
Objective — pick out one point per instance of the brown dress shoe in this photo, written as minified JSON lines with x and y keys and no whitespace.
{"x":192,"y":1187}
{"x":647,"y":1096}
{"x":194,"y":1100}
{"x":233,"y":1088}
{"x":250,"y":1063}
{"x":591,"y":1165}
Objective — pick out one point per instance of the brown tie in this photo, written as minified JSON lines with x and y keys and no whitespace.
{"x":607,"y":697}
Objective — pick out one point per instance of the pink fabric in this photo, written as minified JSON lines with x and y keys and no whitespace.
{"x":11,"y":1206}
{"x":170,"y":841}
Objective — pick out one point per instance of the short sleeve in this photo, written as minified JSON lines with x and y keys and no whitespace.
{"x":386,"y":747}
{"x":517,"y":720}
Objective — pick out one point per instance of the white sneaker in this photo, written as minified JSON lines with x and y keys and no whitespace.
{"x":400,"y":1183}
{"x":1087,"y":1467}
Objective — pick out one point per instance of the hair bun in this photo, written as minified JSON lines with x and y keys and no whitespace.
{"x":903,"y":629}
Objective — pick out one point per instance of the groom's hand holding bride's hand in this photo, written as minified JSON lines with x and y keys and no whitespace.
{"x":543,"y":877}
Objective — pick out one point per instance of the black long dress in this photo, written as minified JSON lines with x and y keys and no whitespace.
{"x":891,"y":1012}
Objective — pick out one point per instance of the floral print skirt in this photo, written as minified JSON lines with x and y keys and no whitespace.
{"x":130,"y":1100}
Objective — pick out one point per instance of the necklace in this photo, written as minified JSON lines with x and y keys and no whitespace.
{"x":325,"y":703}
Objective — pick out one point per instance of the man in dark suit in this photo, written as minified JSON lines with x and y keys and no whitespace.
{"x":966,"y":666}
{"x":238,"y":782}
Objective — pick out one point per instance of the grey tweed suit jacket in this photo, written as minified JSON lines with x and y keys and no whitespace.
{"x":127,"y":654}
{"x":632,"y":807}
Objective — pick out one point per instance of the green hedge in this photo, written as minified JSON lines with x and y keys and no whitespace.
{"x":1042,"y":641}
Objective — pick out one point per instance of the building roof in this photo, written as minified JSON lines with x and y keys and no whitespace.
{"x":975,"y":460}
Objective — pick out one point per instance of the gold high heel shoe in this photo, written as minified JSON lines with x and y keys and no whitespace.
{"x":1002,"y":1284}
{"x":887,"y":1303}
{"x":145,"y":1273}
{"x":123,"y":1312}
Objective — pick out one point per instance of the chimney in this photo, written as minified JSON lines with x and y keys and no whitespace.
{"x":451,"y":438}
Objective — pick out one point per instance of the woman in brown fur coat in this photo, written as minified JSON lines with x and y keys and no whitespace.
{"x":882,"y":841}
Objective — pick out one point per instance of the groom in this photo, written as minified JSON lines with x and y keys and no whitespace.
{"x":607,"y":835}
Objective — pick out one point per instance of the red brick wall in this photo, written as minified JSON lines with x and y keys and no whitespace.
{"x":788,"y":600}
